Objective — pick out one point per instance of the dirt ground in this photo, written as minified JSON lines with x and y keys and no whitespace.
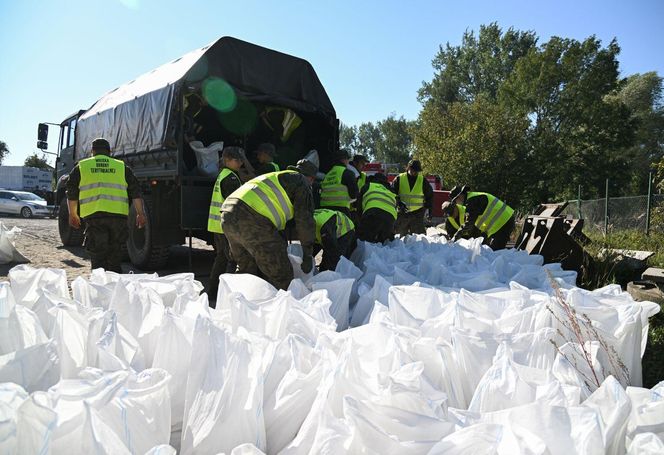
{"x":40,"y":242}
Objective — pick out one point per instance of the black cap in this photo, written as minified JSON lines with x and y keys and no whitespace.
{"x":456,"y":191}
{"x":267,"y":148}
{"x":360,"y":158}
{"x":342,"y":154}
{"x":415,"y":165}
{"x":305,"y":167}
{"x":378,"y":178}
{"x":101,"y":144}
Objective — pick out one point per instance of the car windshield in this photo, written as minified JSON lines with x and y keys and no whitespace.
{"x":28,"y":197}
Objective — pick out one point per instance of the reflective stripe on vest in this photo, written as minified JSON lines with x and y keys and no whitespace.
{"x":103,"y":187}
{"x":412,"y":197}
{"x":333,"y":192}
{"x":275,"y":166}
{"x":343,"y":223}
{"x":214,"y":218}
{"x":379,"y":197}
{"x":462,"y":217}
{"x":495,"y":216}
{"x":267,"y":197}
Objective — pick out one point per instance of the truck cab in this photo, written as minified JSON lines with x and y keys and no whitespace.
{"x":64,"y":163}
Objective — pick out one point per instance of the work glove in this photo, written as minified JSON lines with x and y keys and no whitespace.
{"x":307,"y":263}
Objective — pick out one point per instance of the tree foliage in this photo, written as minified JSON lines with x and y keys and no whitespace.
{"x":37,"y":161}
{"x":532,"y":121}
{"x":4,"y":151}
{"x":480,"y":144}
{"x":389,"y":140}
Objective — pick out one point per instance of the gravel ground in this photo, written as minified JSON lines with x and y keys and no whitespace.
{"x":40,"y":242}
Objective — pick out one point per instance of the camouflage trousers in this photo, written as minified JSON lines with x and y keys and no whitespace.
{"x":104,"y":240}
{"x":411,"y":223}
{"x":256,"y":245}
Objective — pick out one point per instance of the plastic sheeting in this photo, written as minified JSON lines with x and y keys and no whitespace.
{"x":415,"y":347}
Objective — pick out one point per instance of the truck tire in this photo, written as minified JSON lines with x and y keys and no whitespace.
{"x":68,"y":235}
{"x":143,"y":252}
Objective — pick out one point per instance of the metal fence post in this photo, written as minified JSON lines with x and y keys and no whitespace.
{"x":648,"y":203}
{"x":578,"y":203}
{"x":606,"y":209}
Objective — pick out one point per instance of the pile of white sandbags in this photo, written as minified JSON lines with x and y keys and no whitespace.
{"x":452,"y":348}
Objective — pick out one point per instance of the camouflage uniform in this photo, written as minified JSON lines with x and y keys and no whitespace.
{"x":223,"y":262}
{"x":255,"y":243}
{"x":105,"y":233}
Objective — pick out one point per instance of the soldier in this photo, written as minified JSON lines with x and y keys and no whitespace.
{"x":358,"y":164}
{"x":335,"y":235}
{"x":255,"y":214}
{"x":339,"y":188}
{"x":377,"y":203}
{"x":101,"y":187}
{"x":416,"y":194}
{"x":486,"y":216}
{"x":455,"y":216}
{"x":227,"y":182}
{"x":265,"y":154}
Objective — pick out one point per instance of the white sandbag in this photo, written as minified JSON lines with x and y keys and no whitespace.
{"x":647,"y":415}
{"x":11,"y":397}
{"x":35,"y":420}
{"x":162,"y":449}
{"x":71,"y":337}
{"x":34,"y":368}
{"x":207,"y":158}
{"x":310,"y":317}
{"x":247,"y":449}
{"x":7,"y":301}
{"x":378,"y":293}
{"x":27,"y":283}
{"x":646,"y":444}
{"x":8,"y":252}
{"x":480,"y":439}
{"x":118,"y":349}
{"x":267,"y":317}
{"x":291,"y":385}
{"x":338,"y":290}
{"x":613,"y":408}
{"x":250,"y":286}
{"x":20,"y":330}
{"x":223,"y":393}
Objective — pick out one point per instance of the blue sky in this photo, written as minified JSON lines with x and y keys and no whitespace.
{"x":372,"y":56}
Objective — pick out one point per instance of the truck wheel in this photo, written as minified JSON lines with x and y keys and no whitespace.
{"x":68,"y":235}
{"x":143,"y":252}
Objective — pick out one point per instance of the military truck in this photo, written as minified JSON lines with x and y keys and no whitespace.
{"x":230,"y":91}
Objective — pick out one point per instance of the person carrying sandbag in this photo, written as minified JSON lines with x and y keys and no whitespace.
{"x":254,"y":216}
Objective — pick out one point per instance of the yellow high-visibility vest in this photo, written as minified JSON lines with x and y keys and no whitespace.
{"x":103,"y":186}
{"x":333,"y":192}
{"x":362,"y":180}
{"x":214,"y":218}
{"x":412,"y":197}
{"x":379,"y":197}
{"x":495,"y":216}
{"x":265,"y":195}
{"x":343,"y":223}
{"x":462,"y":217}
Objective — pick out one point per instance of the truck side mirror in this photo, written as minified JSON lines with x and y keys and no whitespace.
{"x":42,"y":132}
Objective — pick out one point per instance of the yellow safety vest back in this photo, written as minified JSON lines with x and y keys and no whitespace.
{"x":214,"y":218}
{"x":103,"y":186}
{"x":379,"y":197}
{"x":456,"y":224}
{"x":495,"y":216}
{"x":322,"y":216}
{"x":333,"y":192}
{"x":265,"y":195}
{"x":412,"y":197}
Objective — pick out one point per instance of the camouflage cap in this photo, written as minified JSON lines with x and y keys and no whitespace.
{"x":305,"y":167}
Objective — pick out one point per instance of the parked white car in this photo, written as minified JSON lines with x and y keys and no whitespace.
{"x":23,"y":203}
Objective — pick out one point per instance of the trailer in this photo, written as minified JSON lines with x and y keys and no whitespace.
{"x":229,"y":92}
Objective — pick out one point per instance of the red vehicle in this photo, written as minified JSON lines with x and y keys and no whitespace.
{"x":391,"y":170}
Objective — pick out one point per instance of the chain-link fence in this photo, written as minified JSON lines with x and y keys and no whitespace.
{"x":617,"y":213}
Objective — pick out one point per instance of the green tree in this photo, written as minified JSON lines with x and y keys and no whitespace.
{"x":642,"y":94}
{"x":578,"y":130}
{"x":348,"y":137}
{"x":480,"y":144}
{"x":4,"y":151}
{"x":395,"y":145}
{"x":368,"y":140}
{"x":476,"y":67}
{"x":37,"y":161}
